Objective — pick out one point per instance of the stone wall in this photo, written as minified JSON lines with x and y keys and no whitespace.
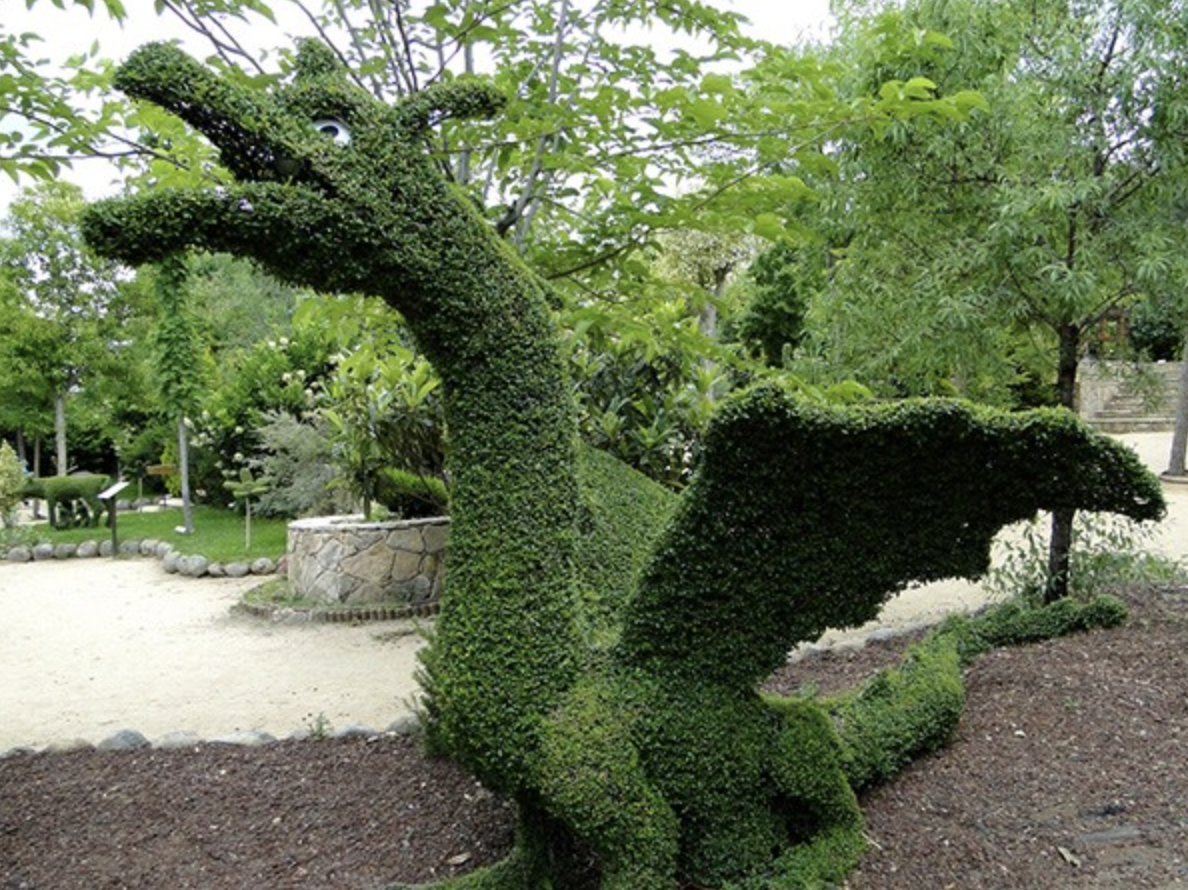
{"x":342,"y":560}
{"x":1124,"y":397}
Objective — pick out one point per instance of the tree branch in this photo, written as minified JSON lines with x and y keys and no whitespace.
{"x":227,"y":47}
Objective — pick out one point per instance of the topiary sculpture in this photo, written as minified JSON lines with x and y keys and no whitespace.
{"x":73,"y":501}
{"x":652,"y":756}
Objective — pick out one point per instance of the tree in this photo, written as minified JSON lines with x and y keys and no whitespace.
{"x":178,"y":363}
{"x":54,"y":129}
{"x":1035,"y":218}
{"x":607,"y":140}
{"x":609,"y":148}
{"x":783,"y":281}
{"x":67,"y":290}
{"x":1172,"y":303}
{"x":236,"y":305}
{"x":28,"y":345}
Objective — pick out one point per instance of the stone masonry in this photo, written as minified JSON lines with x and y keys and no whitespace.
{"x":342,"y":560}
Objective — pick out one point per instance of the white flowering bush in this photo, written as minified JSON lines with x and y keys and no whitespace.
{"x":12,"y":483}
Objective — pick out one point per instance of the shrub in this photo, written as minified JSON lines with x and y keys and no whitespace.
{"x":1156,"y":329}
{"x":1108,"y":552}
{"x":914,"y":708}
{"x":621,"y":512}
{"x":410,"y":495}
{"x":296,"y":455}
{"x":12,"y":482}
{"x":382,"y":416}
{"x":73,"y":500}
{"x":902,"y":713}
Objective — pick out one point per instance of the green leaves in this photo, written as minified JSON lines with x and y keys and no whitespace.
{"x":248,"y":486}
{"x":1011,"y":194}
{"x":12,"y":483}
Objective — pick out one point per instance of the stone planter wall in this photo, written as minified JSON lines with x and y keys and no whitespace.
{"x":342,"y":560}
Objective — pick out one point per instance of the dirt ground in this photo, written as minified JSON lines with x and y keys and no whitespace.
{"x":1068,"y":772}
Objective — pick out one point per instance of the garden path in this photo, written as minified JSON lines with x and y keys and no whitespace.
{"x":90,"y":647}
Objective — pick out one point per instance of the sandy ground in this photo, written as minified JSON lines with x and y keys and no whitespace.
{"x":89,"y":647}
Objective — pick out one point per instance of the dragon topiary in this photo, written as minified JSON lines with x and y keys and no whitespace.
{"x":651,"y":755}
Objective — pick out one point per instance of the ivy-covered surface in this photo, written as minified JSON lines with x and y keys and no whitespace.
{"x":646,"y":746}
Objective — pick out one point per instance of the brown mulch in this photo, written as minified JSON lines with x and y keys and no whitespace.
{"x":1069,"y":770}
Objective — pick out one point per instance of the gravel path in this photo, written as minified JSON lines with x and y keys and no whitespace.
{"x":93,"y":646}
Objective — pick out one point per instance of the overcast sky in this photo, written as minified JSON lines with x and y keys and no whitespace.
{"x":70,"y":32}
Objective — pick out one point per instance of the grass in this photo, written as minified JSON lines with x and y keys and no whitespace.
{"x":218,"y":534}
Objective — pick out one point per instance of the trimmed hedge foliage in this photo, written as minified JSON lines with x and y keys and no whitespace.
{"x":650,"y":748}
{"x":73,"y":500}
{"x":620,"y":515}
{"x":914,"y":708}
{"x":367,"y":212}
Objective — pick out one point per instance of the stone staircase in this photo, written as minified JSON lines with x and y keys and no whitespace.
{"x":1133,"y":404}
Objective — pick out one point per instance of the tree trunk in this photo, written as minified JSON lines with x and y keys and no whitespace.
{"x":1066,"y":372}
{"x":37,"y":473}
{"x":60,"y":433}
{"x":21,"y":450}
{"x":1059,"y":555}
{"x":183,"y":461}
{"x":1060,"y":546}
{"x":1175,"y":464}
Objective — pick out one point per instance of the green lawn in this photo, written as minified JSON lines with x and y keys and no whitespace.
{"x":218,"y":534}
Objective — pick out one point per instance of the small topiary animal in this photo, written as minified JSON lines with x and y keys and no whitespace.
{"x":652,"y":756}
{"x":73,"y":500}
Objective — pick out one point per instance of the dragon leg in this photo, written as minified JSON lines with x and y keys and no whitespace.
{"x":823,"y":817}
{"x":592,"y":780}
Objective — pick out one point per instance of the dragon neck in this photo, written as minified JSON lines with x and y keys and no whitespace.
{"x":507,"y":645}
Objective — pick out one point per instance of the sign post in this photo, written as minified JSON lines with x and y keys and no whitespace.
{"x":108,"y":496}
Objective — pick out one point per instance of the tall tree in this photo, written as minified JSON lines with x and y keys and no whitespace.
{"x":178,"y":364}
{"x":27,"y":347}
{"x":66,"y":289}
{"x":608,"y":140}
{"x":1037,"y":217}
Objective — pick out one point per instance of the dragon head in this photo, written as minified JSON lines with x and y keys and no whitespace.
{"x":334,"y":189}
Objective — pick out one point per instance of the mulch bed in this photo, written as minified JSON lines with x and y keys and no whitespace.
{"x":1069,"y":770}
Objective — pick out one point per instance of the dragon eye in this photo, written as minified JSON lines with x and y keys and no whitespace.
{"x":335,"y":130}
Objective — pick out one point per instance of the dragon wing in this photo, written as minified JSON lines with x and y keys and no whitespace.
{"x":804,"y":517}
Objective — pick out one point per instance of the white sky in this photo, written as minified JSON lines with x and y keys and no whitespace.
{"x":70,"y":32}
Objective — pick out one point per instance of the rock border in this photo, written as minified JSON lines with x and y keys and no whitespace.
{"x":172,"y":560}
{"x":133,"y":740}
{"x":333,"y":615}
